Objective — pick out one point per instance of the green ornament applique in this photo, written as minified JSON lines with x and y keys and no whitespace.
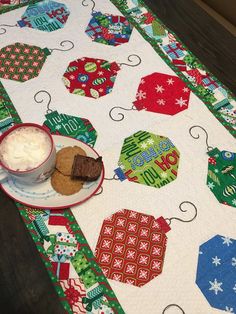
{"x":76,"y":127}
{"x":149,"y":159}
{"x":221,"y":177}
{"x":21,"y":62}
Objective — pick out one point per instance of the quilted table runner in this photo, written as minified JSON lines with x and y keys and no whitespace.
{"x":159,"y":236}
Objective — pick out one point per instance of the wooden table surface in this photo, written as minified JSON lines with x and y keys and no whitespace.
{"x":25,"y":286}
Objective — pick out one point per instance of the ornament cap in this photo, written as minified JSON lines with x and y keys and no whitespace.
{"x":21,"y":23}
{"x":213,"y":152}
{"x":46,"y":51}
{"x":163,"y":224}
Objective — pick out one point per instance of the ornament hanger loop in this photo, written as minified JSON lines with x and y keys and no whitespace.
{"x":119,"y":113}
{"x":183,"y":210}
{"x":115,"y":177}
{"x":2,"y":31}
{"x":130,"y":60}
{"x":197,"y":136}
{"x":99,"y":192}
{"x":42,"y":100}
{"x":85,"y":5}
{"x":62,"y":44}
{"x":173,"y":305}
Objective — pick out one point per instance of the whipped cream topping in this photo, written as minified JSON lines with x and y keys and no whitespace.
{"x":25,"y":148}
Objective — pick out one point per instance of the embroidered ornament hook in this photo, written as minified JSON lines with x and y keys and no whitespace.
{"x":42,"y":100}
{"x":171,"y":306}
{"x":63,"y":44}
{"x":168,"y":220}
{"x":197,"y":136}
{"x":86,"y":5}
{"x":64,"y":124}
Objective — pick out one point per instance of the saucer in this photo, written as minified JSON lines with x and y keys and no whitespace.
{"x":42,"y":195}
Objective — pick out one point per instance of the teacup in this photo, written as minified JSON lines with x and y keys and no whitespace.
{"x":27,"y":154}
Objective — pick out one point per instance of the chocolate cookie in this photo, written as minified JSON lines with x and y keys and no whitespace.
{"x":65,"y":159}
{"x":64,"y":184}
{"x":86,"y":168}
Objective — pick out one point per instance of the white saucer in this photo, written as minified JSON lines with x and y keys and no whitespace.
{"x":42,"y":195}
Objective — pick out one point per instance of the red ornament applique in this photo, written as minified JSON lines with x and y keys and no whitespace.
{"x":131,"y":247}
{"x":162,"y":93}
{"x":90,"y":77}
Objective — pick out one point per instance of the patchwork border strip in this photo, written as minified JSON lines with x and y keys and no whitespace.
{"x":216,"y":97}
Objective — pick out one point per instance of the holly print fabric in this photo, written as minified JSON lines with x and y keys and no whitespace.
{"x":76,"y":127}
{"x":90,"y":77}
{"x":21,"y":62}
{"x":221,"y":177}
{"x":109,"y":29}
{"x":46,"y":16}
{"x":216,"y":272}
{"x":131,"y":247}
{"x":162,"y":93}
{"x":149,"y":159}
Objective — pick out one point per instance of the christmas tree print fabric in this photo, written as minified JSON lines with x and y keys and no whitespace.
{"x":67,"y":125}
{"x":46,"y":16}
{"x":162,"y":93}
{"x":21,"y":62}
{"x":109,"y":29}
{"x":221,"y":177}
{"x":131,"y":247}
{"x":216,"y":272}
{"x":90,"y":77}
{"x":149,"y":159}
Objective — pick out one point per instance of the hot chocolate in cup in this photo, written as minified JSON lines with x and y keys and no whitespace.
{"x":27,"y":154}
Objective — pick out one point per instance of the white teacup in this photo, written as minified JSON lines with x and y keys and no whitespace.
{"x":27,"y":154}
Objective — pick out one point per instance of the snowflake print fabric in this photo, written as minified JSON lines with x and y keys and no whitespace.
{"x":221,"y":177}
{"x":216,"y":272}
{"x":109,"y":29}
{"x":131,"y":247}
{"x":46,"y":16}
{"x":162,"y":93}
{"x":149,"y":159}
{"x":21,"y":62}
{"x":90,"y":77}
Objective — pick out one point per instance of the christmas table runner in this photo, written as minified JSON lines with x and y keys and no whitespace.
{"x":130,"y":89}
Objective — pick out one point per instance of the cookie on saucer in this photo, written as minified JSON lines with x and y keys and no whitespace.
{"x":64,"y":184}
{"x":65,"y":159}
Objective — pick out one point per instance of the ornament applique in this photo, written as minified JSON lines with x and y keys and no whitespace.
{"x":92,"y":77}
{"x":22,"y":62}
{"x":216,"y":272}
{"x":131,"y":246}
{"x":162,"y":93}
{"x":67,"y":125}
{"x":221,"y":175}
{"x":148,"y":159}
{"x":108,"y":29}
{"x":159,"y":93}
{"x":46,"y":16}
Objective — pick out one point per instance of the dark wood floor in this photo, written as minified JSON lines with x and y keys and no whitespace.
{"x":24,"y":284}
